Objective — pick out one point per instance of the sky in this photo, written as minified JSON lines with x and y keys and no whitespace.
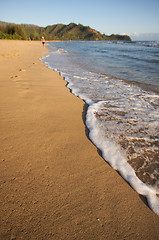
{"x":138,"y":18}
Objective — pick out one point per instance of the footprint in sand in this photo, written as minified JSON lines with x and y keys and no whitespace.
{"x":13,"y":76}
{"x":16,"y":76}
{"x":22,"y":70}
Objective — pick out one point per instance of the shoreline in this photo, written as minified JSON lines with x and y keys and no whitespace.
{"x":54,"y":183}
{"x":125,"y":169}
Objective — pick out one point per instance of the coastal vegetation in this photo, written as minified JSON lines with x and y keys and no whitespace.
{"x":64,"y":32}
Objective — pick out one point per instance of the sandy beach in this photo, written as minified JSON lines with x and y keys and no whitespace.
{"x":54,"y":183}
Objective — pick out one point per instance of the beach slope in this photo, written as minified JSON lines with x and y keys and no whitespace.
{"x":54,"y":183}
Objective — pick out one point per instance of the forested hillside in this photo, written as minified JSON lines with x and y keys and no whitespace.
{"x":71,"y":31}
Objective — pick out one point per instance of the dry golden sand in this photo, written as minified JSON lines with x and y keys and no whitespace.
{"x":54,"y":184}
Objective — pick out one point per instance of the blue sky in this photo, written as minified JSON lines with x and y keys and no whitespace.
{"x":106,"y":16}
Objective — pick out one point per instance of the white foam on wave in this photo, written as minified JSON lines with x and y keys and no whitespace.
{"x":60,"y":51}
{"x":76,"y":92}
{"x":79,"y":77}
{"x":116,"y":157}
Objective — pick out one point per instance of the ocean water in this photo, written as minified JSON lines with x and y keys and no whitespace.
{"x":120,"y":83}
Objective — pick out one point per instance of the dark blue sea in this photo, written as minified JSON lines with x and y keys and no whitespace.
{"x":119,"y":81}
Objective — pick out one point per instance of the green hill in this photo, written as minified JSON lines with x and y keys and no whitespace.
{"x":71,"y":31}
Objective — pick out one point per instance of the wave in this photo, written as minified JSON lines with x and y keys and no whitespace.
{"x":152,"y":44}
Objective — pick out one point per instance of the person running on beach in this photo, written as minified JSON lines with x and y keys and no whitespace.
{"x":43,"y":41}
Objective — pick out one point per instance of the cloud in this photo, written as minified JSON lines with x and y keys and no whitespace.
{"x":145,"y":36}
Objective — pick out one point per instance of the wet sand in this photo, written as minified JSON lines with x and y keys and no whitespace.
{"x":54,"y":183}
